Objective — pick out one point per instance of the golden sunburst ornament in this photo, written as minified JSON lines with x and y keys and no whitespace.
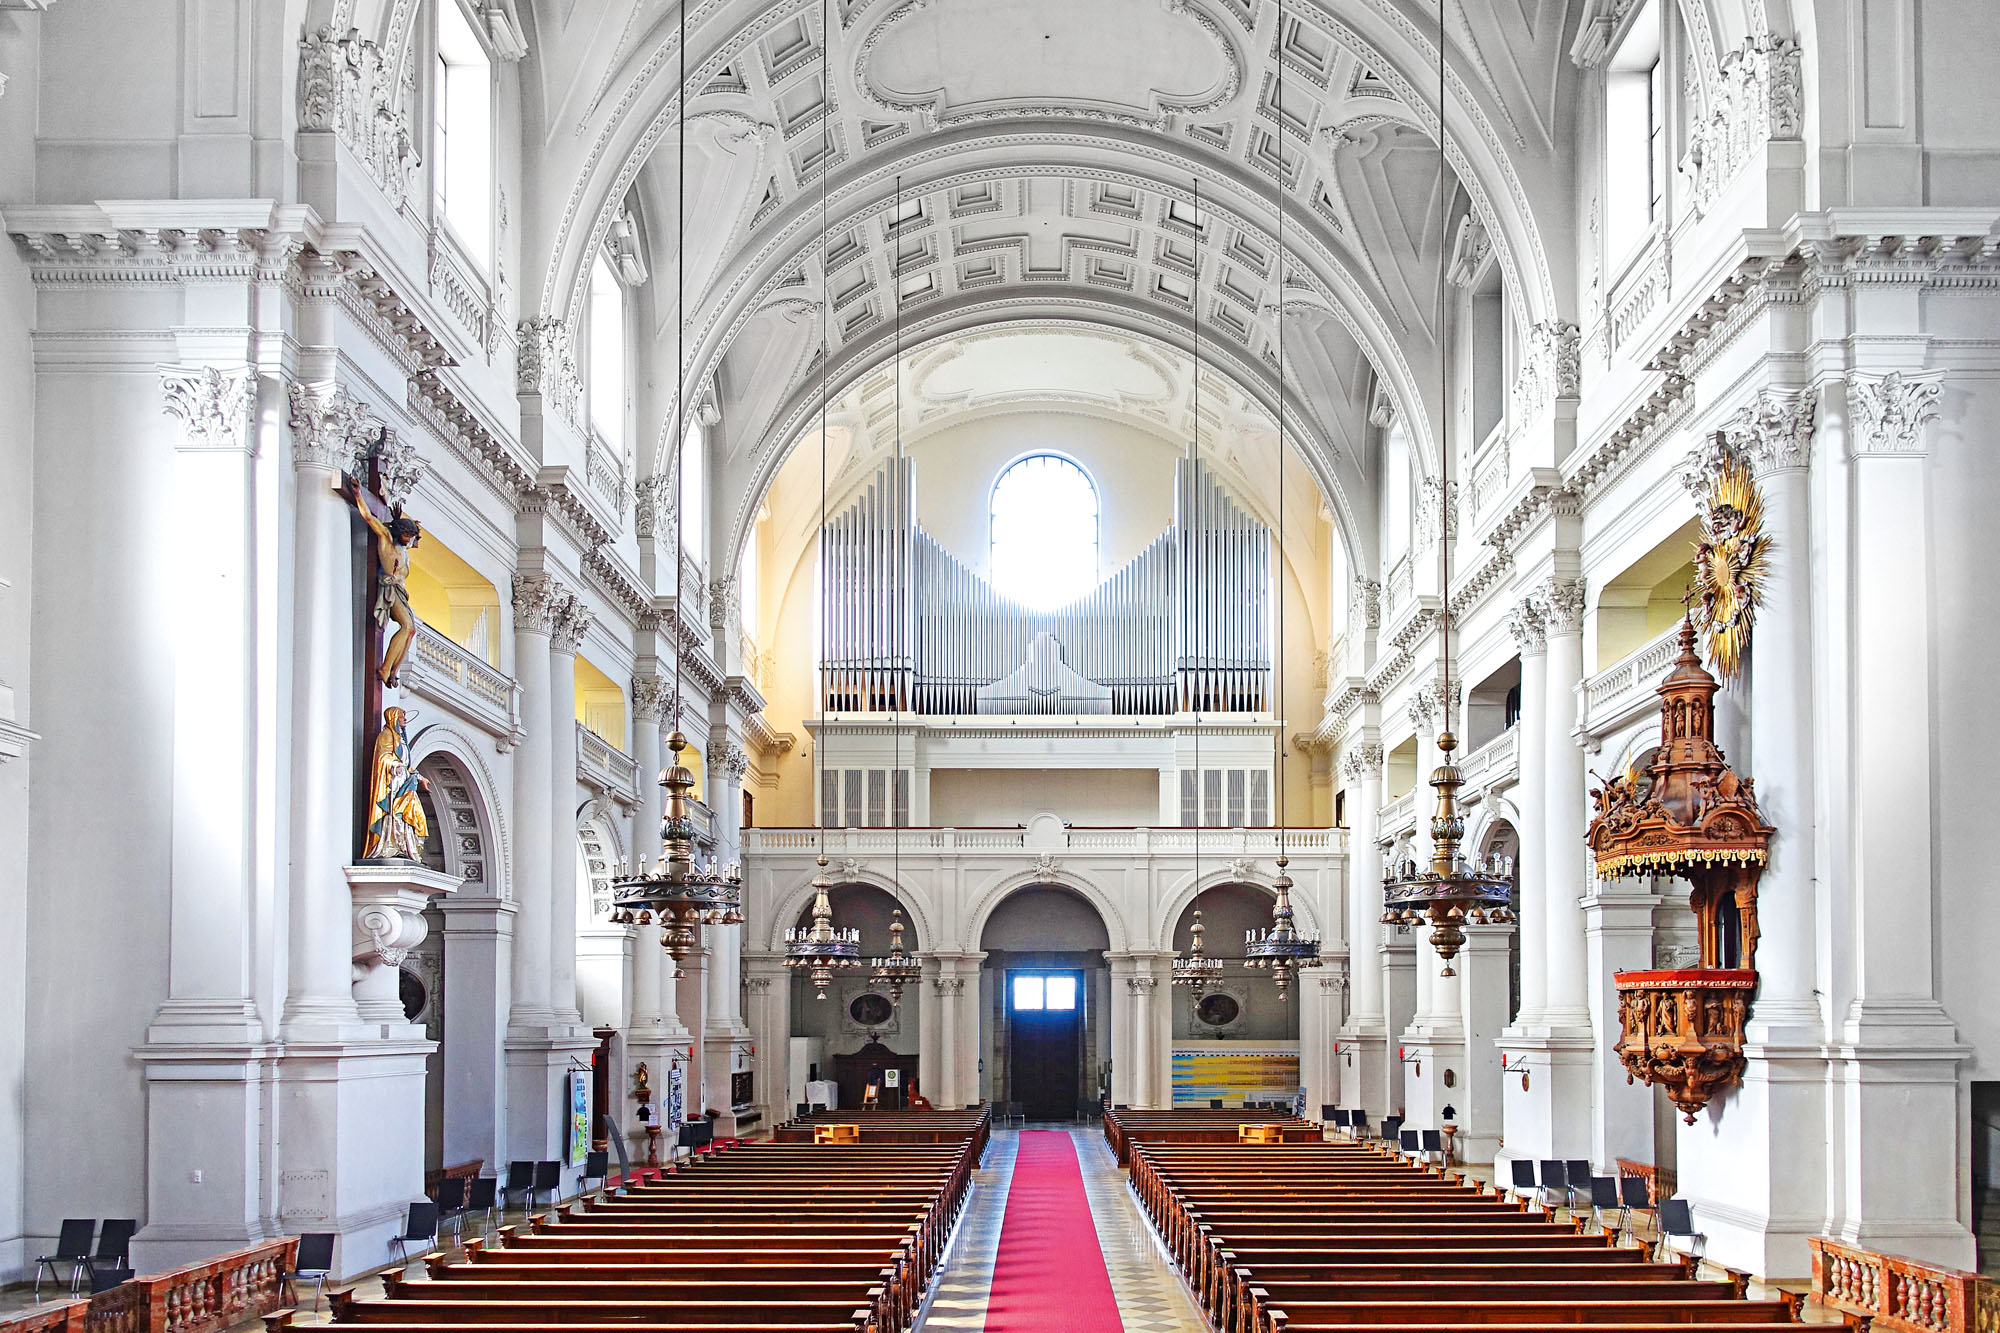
{"x":1731,"y":562}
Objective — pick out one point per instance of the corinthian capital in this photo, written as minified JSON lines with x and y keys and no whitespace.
{"x":1560,"y":602}
{"x":331,"y":428}
{"x":651,"y":696}
{"x":1775,"y":431}
{"x":1361,"y":761}
{"x":1887,"y":413}
{"x":212,"y":405}
{"x":1525,"y":624}
{"x":573,"y":621}
{"x":539,"y":600}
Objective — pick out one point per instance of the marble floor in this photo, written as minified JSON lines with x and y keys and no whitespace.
{"x":1151,"y":1298}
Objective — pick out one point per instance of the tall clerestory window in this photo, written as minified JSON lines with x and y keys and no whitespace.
{"x":462,"y":134}
{"x":607,"y":356}
{"x":1044,"y":515}
{"x":1635,"y":137}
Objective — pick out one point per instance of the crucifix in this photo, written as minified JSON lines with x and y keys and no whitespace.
{"x":391,"y":822}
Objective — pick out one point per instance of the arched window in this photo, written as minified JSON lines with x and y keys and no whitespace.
{"x":462,"y":134}
{"x":1044,"y":551}
{"x":607,"y":356}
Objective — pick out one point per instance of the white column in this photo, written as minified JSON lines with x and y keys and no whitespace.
{"x":204,"y":1055}
{"x":538,"y":603}
{"x":1399,"y":1002}
{"x":568,"y":633}
{"x":1897,"y":1050}
{"x":966,"y":1024}
{"x":691,"y":1003}
{"x":931,"y":1064}
{"x":1531,"y":863}
{"x":946,"y":990}
{"x":1145,"y":1026}
{"x":1363,"y":1070}
{"x":1476,"y":1095}
{"x":767,"y":991}
{"x":328,"y":430}
{"x":1618,"y":924}
{"x":478,"y":957}
{"x":1124,"y":1046}
{"x":648,"y":958}
{"x":1566,"y":1019}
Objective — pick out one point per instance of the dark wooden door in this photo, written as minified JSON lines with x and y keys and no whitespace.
{"x":1047,"y":1062}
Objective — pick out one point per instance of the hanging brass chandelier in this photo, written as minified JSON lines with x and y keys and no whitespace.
{"x":1451,"y":892}
{"x":822,"y":950}
{"x":1281,"y":948}
{"x":897,"y":969}
{"x":674,"y":890}
{"x":1196,"y":969}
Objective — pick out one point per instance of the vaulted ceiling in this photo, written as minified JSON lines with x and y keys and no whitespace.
{"x":945,"y":166}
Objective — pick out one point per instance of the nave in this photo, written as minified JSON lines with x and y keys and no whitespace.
{"x":927,"y":1222}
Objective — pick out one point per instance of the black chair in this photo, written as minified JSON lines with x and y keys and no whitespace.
{"x":1357,"y":1124}
{"x":597,"y":1167}
{"x":451,"y":1202}
{"x":72,"y":1248}
{"x":803,"y":1110}
{"x":1677,"y":1225}
{"x":1579,"y":1181}
{"x":1555,"y":1183}
{"x":1433,"y":1143}
{"x":1011,"y":1113}
{"x":1215,"y":1103}
{"x":481,"y":1194}
{"x":1333,"y":1115}
{"x":422,"y":1226}
{"x":548,"y":1180}
{"x":104,"y":1279}
{"x":1408,"y":1141}
{"x":114,"y":1246}
{"x":1604,"y":1199}
{"x":1523,"y":1177}
{"x":314,"y":1264}
{"x":520,"y":1180}
{"x":1392,"y":1126}
{"x":1635,"y":1195}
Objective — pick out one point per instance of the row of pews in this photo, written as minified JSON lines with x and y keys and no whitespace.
{"x":1123,"y":1126}
{"x":1342,"y":1237}
{"x":760,"y":1238}
{"x":896,"y":1126}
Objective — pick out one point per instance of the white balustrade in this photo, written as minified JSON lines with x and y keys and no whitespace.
{"x":453,"y":677}
{"x":1629,"y":687}
{"x":605,"y":768}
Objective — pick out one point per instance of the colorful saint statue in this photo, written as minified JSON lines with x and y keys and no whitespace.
{"x":396,"y":824}
{"x":394,"y":541}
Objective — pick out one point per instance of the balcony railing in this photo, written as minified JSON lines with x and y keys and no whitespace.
{"x":1134,"y":841}
{"x":1493,"y":763}
{"x":604,"y":767}
{"x":452,"y":677}
{"x":1399,"y":814}
{"x":1627,"y":688}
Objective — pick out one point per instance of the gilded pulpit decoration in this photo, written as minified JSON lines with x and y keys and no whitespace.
{"x":1688,"y":814}
{"x":396,"y":823}
{"x":1731,"y":562}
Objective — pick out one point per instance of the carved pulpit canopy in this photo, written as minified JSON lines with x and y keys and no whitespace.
{"x":1687,"y":813}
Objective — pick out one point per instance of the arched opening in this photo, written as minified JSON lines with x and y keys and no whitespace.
{"x":1042,"y":520}
{"x":1045,"y":996}
{"x":1237,"y":1043}
{"x":859,"y":1032}
{"x":1502,"y":839}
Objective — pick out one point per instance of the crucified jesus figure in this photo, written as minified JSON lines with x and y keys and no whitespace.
{"x":393,"y":543}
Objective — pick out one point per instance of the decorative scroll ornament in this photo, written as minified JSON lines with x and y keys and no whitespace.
{"x":1758,"y":96}
{"x":677,"y":891}
{"x":1731,"y":561}
{"x":821,"y":950}
{"x":1688,"y":814}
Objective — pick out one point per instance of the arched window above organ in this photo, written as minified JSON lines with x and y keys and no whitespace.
{"x":1044,"y":535}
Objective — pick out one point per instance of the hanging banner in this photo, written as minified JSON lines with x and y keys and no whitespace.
{"x":1234,"y":1072}
{"x":578,"y":1146}
{"x":676,"y":1098}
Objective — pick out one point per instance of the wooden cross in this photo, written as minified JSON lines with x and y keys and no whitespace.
{"x":368,"y":570}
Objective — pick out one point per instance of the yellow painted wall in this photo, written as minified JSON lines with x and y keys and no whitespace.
{"x":600,"y":703}
{"x":454,"y":599}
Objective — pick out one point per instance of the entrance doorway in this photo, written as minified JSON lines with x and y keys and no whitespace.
{"x":1045,"y":1042}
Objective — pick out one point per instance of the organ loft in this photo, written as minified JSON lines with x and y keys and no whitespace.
{"x":1044,"y":664}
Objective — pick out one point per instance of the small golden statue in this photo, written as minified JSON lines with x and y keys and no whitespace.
{"x":394,"y":541}
{"x":396,"y":823}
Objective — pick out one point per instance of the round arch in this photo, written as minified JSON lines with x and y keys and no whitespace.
{"x":797,"y":898}
{"x":997,"y":891}
{"x":1186,"y":890}
{"x":599,"y":850}
{"x":475,"y":832}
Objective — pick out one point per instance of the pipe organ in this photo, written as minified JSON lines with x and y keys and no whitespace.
{"x":1185,"y":626}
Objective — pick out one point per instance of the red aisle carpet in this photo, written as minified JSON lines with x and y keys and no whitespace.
{"x":1049,"y":1271}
